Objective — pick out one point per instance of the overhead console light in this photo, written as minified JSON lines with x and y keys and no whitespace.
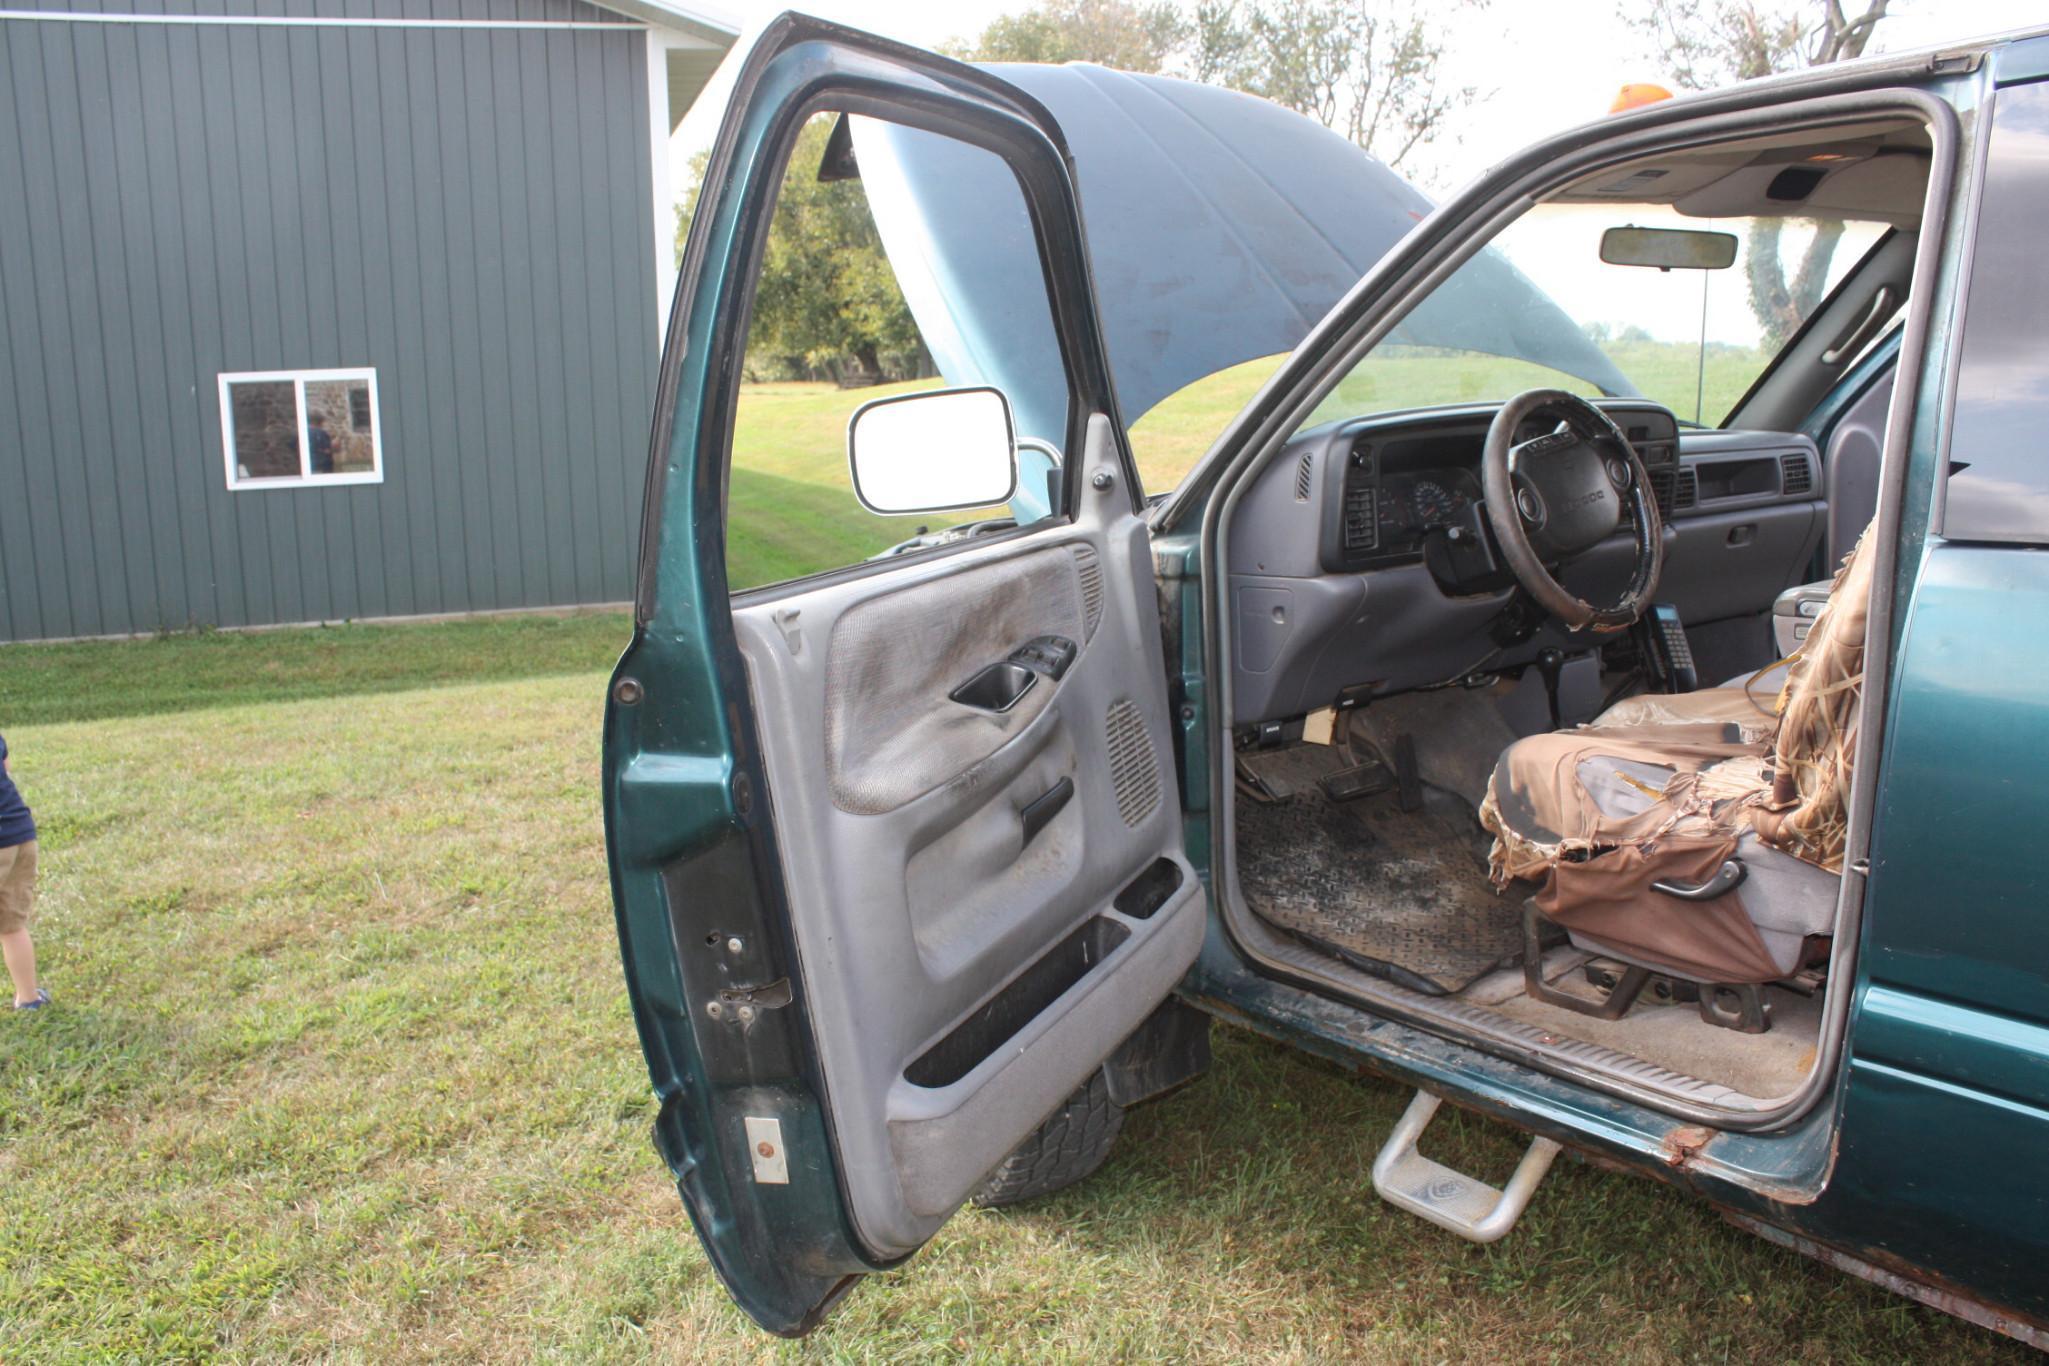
{"x":1635,"y":180}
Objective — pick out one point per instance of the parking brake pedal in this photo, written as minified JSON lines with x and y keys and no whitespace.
{"x":1472,"y":1209}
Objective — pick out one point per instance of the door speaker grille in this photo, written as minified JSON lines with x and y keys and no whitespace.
{"x":1133,"y":771}
{"x":1090,"y":570}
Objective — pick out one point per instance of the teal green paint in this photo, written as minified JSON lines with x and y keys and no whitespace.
{"x":692,"y":858}
{"x":1955,"y":909}
{"x":1959,"y":1044}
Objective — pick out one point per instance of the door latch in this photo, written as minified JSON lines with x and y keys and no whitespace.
{"x":745,"y":1004}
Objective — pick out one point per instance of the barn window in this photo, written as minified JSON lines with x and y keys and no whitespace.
{"x":285,"y":429}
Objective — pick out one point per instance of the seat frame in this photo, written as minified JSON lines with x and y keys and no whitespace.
{"x":1738,"y":1006}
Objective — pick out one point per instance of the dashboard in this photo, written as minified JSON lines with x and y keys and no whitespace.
{"x":1332,"y":589}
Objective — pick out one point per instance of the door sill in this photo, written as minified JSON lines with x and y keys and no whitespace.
{"x":1605,"y":1069}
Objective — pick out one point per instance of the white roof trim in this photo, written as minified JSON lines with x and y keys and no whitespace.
{"x":712,"y":26}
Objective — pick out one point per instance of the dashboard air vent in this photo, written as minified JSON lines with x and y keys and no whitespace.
{"x":1796,"y":475}
{"x":1686,"y":492}
{"x":1359,"y":503}
{"x":1302,"y":472}
{"x":1661,"y":490}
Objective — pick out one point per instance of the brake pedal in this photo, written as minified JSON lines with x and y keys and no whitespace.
{"x":1452,"y":1200}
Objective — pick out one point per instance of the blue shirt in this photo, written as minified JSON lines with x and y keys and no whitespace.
{"x":17,"y":826}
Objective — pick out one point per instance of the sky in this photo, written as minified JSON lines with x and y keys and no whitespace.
{"x":1540,"y":65}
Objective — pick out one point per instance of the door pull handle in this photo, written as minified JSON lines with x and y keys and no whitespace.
{"x":1039,"y":813}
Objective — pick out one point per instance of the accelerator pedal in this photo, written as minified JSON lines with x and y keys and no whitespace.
{"x":1471,"y":1209}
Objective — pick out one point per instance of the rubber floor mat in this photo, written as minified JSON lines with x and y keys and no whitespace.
{"x":1403,"y":895}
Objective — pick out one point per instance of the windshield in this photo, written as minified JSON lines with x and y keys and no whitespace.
{"x":1539,"y":307}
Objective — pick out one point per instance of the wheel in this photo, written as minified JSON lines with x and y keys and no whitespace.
{"x":1074,"y":1141}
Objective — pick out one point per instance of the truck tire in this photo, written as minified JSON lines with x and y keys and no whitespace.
{"x":1074,"y":1140}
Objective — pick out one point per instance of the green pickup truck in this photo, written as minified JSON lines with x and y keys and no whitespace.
{"x":1641,"y":755}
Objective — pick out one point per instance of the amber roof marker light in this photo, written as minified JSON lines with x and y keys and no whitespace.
{"x":1636,"y":95}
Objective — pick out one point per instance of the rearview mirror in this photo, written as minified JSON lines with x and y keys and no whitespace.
{"x":938,"y":450}
{"x":1669,"y":248}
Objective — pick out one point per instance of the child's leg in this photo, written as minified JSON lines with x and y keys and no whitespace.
{"x":20,"y":954}
{"x":17,"y":900}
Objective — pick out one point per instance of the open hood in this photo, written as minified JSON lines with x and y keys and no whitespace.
{"x":1221,"y":228}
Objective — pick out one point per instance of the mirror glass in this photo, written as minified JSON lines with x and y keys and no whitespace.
{"x":1669,"y":248}
{"x":933,"y":451}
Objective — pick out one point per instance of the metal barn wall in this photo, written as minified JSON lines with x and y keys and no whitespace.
{"x":465,"y":209}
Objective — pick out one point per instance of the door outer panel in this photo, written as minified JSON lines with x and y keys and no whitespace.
{"x":906,"y":874}
{"x":1947,"y":1094}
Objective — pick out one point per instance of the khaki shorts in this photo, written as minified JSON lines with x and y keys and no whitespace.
{"x":17,"y":886}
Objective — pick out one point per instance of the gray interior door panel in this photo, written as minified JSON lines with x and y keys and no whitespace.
{"x":968,"y":965}
{"x":893,"y":659}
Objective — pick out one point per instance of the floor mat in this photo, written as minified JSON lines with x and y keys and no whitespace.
{"x":1403,"y":895}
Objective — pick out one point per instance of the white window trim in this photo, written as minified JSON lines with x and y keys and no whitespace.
{"x":299,"y":379}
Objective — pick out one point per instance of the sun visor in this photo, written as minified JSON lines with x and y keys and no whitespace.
{"x":1221,"y":228}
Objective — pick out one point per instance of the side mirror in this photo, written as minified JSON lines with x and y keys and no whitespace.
{"x":938,"y":450}
{"x":1669,"y":248}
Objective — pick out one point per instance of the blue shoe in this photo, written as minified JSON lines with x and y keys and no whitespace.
{"x":42,"y":999}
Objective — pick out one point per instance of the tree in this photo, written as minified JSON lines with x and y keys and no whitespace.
{"x":687,"y":210}
{"x":827,"y":298}
{"x":1372,"y":70}
{"x":1706,"y":43}
{"x":1118,"y":33}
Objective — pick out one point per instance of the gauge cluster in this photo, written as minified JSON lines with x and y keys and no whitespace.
{"x":1395,"y":482}
{"x":1397,"y":491}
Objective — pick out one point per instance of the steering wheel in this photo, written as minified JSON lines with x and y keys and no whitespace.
{"x":1554,"y":497}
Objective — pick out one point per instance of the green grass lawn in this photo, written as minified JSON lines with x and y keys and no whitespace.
{"x":88,"y":680}
{"x":341,"y":1064}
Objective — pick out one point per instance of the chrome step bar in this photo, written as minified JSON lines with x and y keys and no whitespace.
{"x":1430,"y":1190}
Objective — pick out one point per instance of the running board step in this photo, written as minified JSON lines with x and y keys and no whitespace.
{"x":1471,"y":1209}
